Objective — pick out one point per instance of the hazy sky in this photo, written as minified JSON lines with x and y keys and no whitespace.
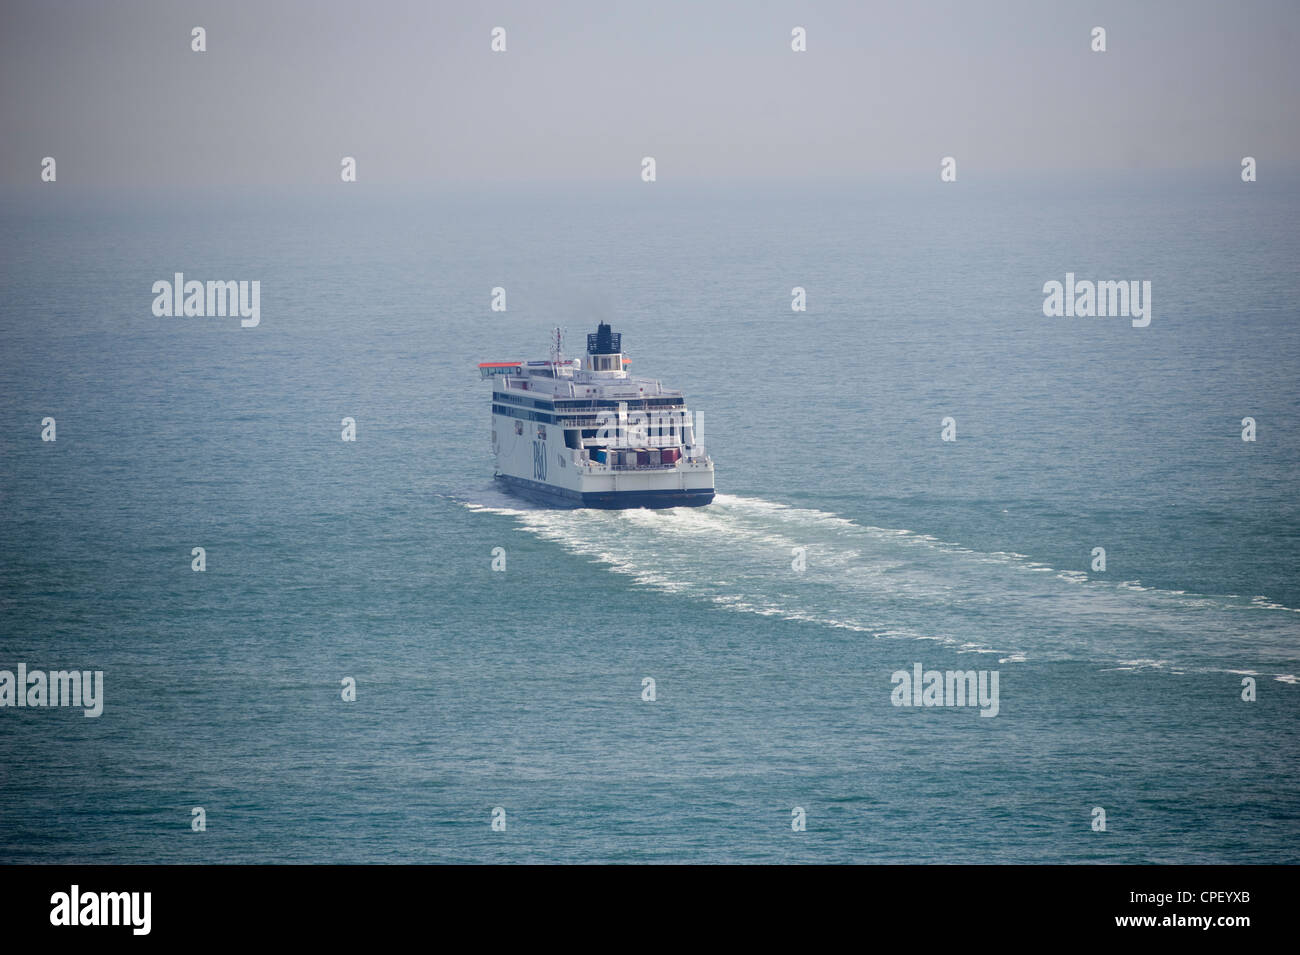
{"x":586,"y":88}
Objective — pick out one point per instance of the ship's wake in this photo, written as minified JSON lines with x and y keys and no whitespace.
{"x":740,"y":554}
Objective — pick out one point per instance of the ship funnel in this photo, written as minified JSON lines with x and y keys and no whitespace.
{"x":604,"y":341}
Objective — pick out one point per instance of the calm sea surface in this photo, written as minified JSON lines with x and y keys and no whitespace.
{"x":522,"y":690}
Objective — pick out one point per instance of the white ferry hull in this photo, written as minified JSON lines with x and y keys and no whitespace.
{"x":540,"y":472}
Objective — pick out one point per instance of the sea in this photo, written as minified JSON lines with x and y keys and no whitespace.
{"x":386,"y":659}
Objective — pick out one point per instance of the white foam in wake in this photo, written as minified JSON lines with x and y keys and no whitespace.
{"x":737,"y":554}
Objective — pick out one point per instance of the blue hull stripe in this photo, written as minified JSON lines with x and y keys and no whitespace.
{"x":563,"y":497}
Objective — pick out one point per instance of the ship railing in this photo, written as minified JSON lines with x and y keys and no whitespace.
{"x":596,"y":421}
{"x":596,"y":465}
{"x":637,"y":467}
{"x":593,"y":444}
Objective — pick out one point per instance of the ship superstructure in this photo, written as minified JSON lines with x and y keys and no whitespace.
{"x":583,"y":432}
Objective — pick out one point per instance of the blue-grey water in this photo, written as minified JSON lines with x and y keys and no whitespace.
{"x":522,"y":689}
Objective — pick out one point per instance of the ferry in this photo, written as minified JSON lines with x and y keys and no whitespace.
{"x":584,"y":432}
